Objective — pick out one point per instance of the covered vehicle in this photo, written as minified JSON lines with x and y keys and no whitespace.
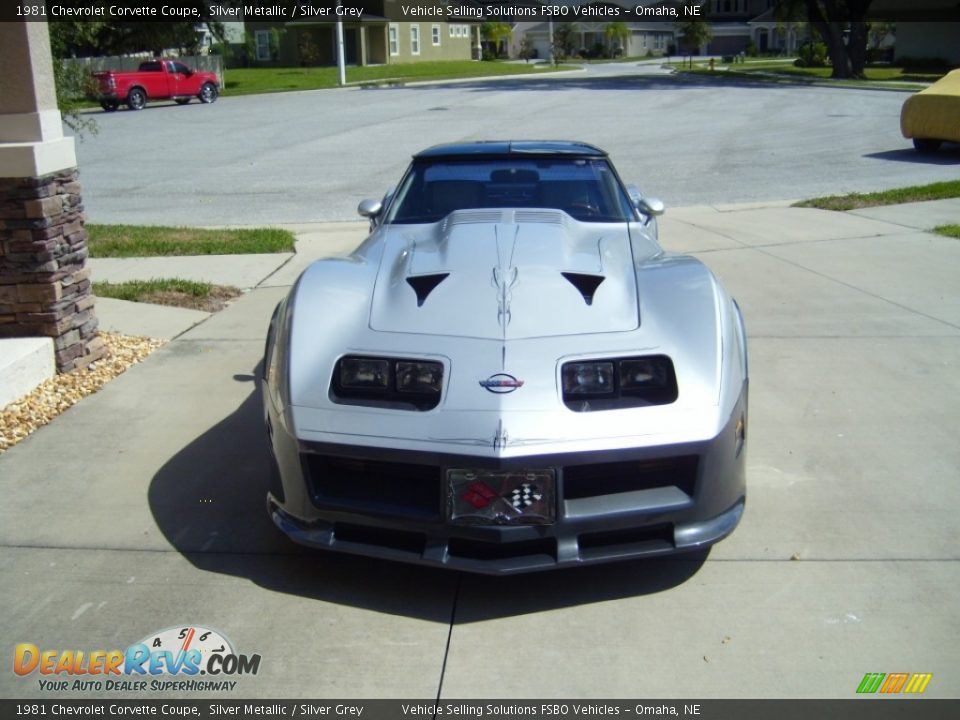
{"x":508,"y":374}
{"x":932,"y":116}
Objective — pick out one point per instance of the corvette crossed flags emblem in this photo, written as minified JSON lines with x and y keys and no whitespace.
{"x":480,"y":495}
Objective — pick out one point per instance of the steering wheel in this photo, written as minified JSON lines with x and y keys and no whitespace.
{"x":584,"y":208}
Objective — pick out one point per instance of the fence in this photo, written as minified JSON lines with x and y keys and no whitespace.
{"x":207,"y":63}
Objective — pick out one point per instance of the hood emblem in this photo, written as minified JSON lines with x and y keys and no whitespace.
{"x":501,"y":383}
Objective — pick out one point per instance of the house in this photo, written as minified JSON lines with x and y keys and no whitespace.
{"x":646,"y":38}
{"x":373,"y":39}
{"x":926,"y":29}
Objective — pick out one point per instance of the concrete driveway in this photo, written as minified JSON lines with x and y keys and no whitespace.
{"x":142,"y":508}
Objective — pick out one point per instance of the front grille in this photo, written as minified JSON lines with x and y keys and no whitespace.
{"x":585,"y":481}
{"x":484,"y":551}
{"x":400,"y":540}
{"x":610,"y":543}
{"x":371,"y":485}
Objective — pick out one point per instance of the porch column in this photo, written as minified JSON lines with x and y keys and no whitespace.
{"x":44,"y":281}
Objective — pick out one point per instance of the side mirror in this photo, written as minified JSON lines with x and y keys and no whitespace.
{"x":651,"y":206}
{"x":369,"y":208}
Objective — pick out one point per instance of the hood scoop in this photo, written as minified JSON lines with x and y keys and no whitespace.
{"x":423,"y":285}
{"x":586,"y":284}
{"x":505,"y":280}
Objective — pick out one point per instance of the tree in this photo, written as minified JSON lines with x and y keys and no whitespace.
{"x":616,"y":34}
{"x":694,"y":34}
{"x":72,"y":82}
{"x":842,"y":24}
{"x":308,"y":48}
{"x":496,"y":33}
{"x":564,"y":40}
{"x":527,"y":50}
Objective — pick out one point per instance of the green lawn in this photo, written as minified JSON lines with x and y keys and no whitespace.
{"x":148,"y":240}
{"x":915,"y":193}
{"x":948,"y":230}
{"x":249,"y":81}
{"x":170,"y":291}
{"x":785,"y":71}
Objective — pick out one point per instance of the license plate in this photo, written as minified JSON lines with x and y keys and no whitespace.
{"x":493,"y":497}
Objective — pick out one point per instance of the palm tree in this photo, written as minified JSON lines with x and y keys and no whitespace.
{"x":496,"y":33}
{"x":617,"y":34}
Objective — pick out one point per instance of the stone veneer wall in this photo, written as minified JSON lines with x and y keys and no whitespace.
{"x":44,"y":281}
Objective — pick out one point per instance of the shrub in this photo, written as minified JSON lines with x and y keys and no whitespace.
{"x":812,"y":54}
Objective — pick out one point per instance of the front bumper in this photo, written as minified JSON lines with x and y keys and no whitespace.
{"x":610,"y":505}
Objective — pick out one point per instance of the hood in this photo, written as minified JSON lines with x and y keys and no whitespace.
{"x":505,"y":275}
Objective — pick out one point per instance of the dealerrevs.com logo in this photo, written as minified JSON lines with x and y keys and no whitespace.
{"x":168,"y":660}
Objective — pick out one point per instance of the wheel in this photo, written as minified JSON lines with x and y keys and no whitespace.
{"x":181,"y":101}
{"x":136,"y":99}
{"x":208,"y":93}
{"x":926,"y":145}
{"x":109,"y":105}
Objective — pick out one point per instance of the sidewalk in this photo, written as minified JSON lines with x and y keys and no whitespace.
{"x":142,"y":507}
{"x":246,"y":272}
{"x":698,"y":230}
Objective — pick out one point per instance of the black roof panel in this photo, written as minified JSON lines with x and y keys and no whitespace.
{"x":511,"y":147}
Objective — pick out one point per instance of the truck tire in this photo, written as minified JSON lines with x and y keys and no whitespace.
{"x":208,"y":93}
{"x":109,"y":105}
{"x":136,"y":99}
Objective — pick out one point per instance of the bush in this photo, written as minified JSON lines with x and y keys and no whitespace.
{"x":751,"y":49}
{"x":812,"y":54}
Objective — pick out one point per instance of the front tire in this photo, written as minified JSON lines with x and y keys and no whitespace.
{"x":136,"y":99}
{"x":926,"y":145}
{"x":208,"y":93}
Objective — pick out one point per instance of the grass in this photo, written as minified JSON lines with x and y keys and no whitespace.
{"x":948,"y":230}
{"x":249,"y":81}
{"x":884,"y":76}
{"x":119,"y":241}
{"x":170,"y":291}
{"x":915,"y":193}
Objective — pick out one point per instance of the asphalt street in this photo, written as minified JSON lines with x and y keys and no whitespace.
{"x":312,"y":156}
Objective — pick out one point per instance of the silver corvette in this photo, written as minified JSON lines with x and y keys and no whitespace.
{"x":509,"y":374}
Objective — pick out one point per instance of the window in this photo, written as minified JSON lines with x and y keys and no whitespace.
{"x":179,"y":67}
{"x":394,"y":40}
{"x":585,"y":188}
{"x":414,"y":39}
{"x":453,"y":30}
{"x":262,"y":41}
{"x":435,"y":33}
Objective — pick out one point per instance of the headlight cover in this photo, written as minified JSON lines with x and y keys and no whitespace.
{"x":387,"y":382}
{"x":609,"y":384}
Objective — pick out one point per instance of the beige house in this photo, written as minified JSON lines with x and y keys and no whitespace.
{"x":375,"y":39}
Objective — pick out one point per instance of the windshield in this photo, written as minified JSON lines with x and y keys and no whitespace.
{"x":586,"y":188}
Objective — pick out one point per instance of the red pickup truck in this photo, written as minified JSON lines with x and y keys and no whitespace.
{"x":155,"y":79}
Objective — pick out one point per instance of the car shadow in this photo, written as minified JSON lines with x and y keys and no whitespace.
{"x":209,"y":502}
{"x":561,"y":83}
{"x":949,"y":154}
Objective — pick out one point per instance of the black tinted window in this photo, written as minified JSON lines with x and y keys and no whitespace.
{"x":585,"y":188}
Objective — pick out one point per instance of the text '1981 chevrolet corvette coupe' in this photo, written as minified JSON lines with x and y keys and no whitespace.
{"x":508,"y":374}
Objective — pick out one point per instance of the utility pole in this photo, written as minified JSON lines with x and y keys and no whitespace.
{"x":341,"y":65}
